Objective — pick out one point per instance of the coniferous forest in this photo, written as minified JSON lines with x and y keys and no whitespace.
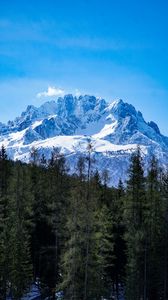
{"x":78,"y":238}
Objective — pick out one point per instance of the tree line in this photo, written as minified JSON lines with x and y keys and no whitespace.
{"x":79,"y":238}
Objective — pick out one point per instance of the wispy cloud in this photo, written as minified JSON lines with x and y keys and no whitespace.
{"x":51,"y":91}
{"x":40,"y":32}
{"x":91,"y":43}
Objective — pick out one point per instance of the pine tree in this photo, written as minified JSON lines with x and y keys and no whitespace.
{"x":117,"y":207}
{"x":41,"y":235}
{"x":37,"y":206}
{"x":135,"y":230}
{"x":165,"y":234}
{"x":154,"y":230}
{"x":19,"y":224}
{"x":57,"y":193}
{"x":104,"y":251}
{"x":72,"y":257}
{"x":41,"y":232}
{"x":5,"y":170}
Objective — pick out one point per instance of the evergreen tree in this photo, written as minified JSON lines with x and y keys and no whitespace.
{"x":5,"y":170}
{"x":57,"y":205}
{"x":154,"y":230}
{"x":72,"y":257}
{"x":134,"y":208}
{"x":117,"y":207}
{"x":165,"y":234}
{"x":104,"y":251}
{"x":19,"y":224}
{"x":39,"y":186}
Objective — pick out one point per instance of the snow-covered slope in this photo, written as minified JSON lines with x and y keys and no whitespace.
{"x":114,"y":129}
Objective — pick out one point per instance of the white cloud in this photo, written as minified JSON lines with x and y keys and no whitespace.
{"x":51,"y":91}
{"x":77,"y":93}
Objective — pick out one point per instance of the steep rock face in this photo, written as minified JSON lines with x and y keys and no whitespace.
{"x":63,"y":116}
{"x":114,"y":129}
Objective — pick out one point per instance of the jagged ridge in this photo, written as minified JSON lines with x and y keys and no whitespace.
{"x":115,"y":129}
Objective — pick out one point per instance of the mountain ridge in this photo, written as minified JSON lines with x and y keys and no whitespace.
{"x":115,"y":129}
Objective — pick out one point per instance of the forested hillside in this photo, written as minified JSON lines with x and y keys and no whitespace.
{"x":79,"y":238}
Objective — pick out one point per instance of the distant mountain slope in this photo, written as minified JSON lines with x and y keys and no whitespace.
{"x":114,"y":129}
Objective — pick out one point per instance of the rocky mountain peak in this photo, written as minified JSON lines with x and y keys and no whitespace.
{"x":115,"y":129}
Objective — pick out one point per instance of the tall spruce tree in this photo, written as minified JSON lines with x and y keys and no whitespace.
{"x":104,"y":251}
{"x":72,"y":257}
{"x":154,"y":230}
{"x":38,"y":191}
{"x":118,"y":270}
{"x":57,"y":205}
{"x":19,"y":224}
{"x":165,"y":234}
{"x":135,"y":229}
{"x":41,"y":235}
{"x":5,"y":171}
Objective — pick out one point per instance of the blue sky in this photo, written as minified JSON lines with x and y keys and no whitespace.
{"x":112,"y":49}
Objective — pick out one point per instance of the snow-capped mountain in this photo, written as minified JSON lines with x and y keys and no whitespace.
{"x":114,"y":129}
